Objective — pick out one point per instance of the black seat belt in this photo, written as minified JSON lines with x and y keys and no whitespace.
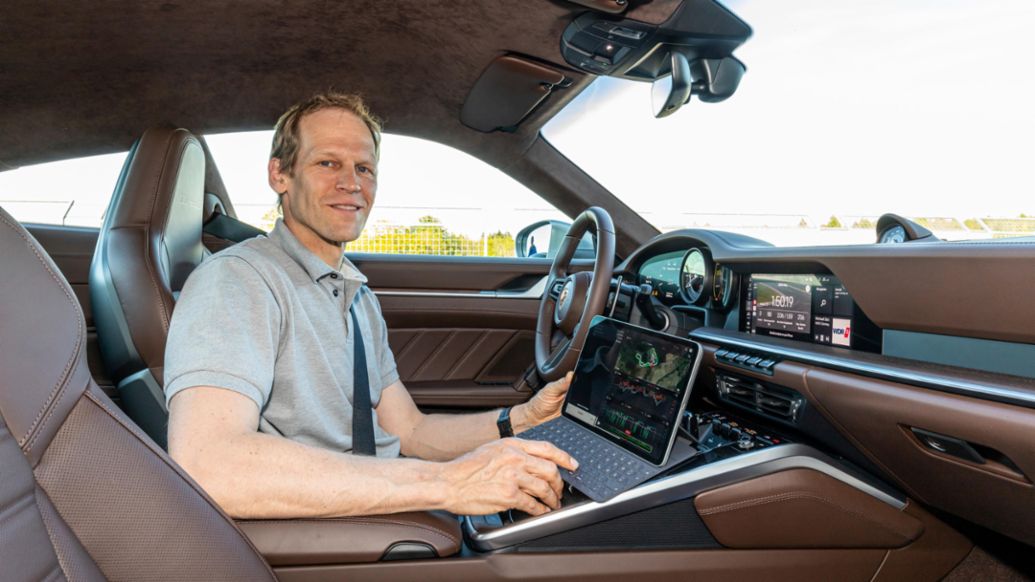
{"x":362,"y":411}
{"x":231,"y":229}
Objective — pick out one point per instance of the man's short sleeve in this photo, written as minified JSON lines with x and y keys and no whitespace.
{"x":225,"y":331}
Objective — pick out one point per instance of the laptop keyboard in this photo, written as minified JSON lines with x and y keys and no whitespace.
{"x":605,"y":469}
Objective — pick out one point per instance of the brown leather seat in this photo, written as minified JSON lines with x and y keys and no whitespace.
{"x":83,"y":493}
{"x":149,"y":243}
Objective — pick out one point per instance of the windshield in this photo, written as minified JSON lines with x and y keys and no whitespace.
{"x":848,"y":110}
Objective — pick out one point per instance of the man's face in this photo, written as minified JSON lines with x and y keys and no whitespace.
{"x":328,"y":194}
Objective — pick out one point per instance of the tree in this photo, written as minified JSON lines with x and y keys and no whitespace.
{"x":500,"y":244}
{"x":270,"y":218}
{"x":972,"y":224}
{"x":833,"y":223}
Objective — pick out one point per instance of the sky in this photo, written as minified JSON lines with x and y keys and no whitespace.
{"x":918,"y":107}
{"x":914,"y":107}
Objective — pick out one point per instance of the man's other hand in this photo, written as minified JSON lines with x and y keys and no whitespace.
{"x":544,"y":406}
{"x":507,"y":474}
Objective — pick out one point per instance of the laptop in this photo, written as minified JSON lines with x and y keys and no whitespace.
{"x":623,"y":408}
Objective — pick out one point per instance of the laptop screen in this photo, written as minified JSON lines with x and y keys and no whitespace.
{"x":631,"y":384}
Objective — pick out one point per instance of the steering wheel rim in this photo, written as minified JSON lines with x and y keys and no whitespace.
{"x":572,"y":299}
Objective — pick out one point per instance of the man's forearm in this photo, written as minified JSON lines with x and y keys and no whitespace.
{"x":442,"y":437}
{"x":263,"y":476}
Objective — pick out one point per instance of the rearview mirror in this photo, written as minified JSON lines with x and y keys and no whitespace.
{"x":670,"y":92}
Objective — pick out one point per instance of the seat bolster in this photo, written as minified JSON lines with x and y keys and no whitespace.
{"x":25,"y":550}
{"x":43,"y":352}
{"x":99,"y":469}
{"x":143,"y":299}
{"x":349,"y":540}
{"x":73,"y":557}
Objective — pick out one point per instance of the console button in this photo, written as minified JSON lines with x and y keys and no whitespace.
{"x":745,"y":442}
{"x":754,"y":361}
{"x":721,"y":352}
{"x":742,"y":358}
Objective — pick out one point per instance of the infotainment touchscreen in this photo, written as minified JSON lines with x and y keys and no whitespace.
{"x":813,"y":308}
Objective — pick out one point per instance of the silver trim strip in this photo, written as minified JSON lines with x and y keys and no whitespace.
{"x":674,"y":488}
{"x":915,"y":378}
{"x":533,"y":292}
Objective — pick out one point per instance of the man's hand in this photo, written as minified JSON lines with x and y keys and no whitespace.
{"x":544,"y":406}
{"x":507,"y":474}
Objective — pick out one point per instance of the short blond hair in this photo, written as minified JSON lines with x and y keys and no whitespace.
{"x":285,"y":133}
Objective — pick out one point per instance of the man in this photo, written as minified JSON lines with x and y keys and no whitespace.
{"x":260,"y":362}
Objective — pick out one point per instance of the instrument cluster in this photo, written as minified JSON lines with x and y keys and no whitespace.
{"x":689,"y":277}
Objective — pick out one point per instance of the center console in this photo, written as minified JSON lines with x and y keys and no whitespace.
{"x":661,"y":514}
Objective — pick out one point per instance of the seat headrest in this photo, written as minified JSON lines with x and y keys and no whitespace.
{"x":42,"y":340}
{"x":162,"y":191}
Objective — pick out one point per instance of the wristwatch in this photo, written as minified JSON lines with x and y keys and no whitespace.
{"x":503,"y":423}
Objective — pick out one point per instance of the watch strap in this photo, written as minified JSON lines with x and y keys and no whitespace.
{"x":503,"y":423}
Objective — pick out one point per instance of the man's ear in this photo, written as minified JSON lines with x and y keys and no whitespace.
{"x":277,"y":178}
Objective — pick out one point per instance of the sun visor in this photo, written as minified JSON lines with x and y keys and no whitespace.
{"x":507,"y":91}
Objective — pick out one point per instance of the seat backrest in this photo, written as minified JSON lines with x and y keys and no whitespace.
{"x":149,"y":243}
{"x":83,"y":493}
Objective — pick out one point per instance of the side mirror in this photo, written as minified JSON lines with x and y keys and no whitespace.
{"x":542,"y":239}
{"x":670,"y":92}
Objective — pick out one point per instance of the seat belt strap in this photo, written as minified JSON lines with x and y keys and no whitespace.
{"x":362,"y":411}
{"x":229,"y":228}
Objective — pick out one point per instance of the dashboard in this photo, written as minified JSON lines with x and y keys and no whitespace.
{"x":876,"y":354}
{"x":806,"y":305}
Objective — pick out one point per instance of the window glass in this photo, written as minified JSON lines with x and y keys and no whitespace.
{"x":848,"y":110}
{"x":431,"y":199}
{"x":72,"y":192}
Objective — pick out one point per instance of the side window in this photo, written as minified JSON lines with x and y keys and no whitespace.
{"x":71,"y":192}
{"x":431,"y":199}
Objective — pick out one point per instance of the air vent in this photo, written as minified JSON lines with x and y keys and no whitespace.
{"x":772,"y":401}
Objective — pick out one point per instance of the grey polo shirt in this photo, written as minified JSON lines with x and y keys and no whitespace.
{"x":269,"y":319}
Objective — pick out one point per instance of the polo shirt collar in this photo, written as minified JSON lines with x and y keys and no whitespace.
{"x":307,"y":259}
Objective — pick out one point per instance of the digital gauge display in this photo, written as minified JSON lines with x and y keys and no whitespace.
{"x":722,"y":286}
{"x":662,"y":274}
{"x":694,"y":276}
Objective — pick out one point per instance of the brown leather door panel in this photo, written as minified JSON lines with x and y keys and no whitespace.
{"x":461,"y":329}
{"x":877,"y":415}
{"x":462,"y":368}
{"x":72,"y":251}
{"x":454,"y":273}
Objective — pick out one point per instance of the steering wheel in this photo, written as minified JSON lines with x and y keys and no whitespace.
{"x":572,"y":299}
